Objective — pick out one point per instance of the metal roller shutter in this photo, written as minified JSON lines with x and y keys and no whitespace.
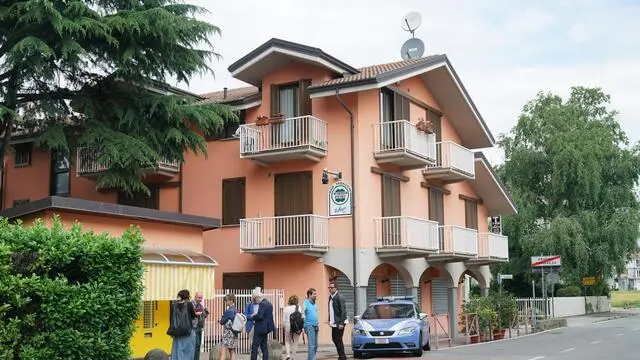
{"x":371,"y":290}
{"x":345,"y":288}
{"x":398,"y":287}
{"x":439,"y":296}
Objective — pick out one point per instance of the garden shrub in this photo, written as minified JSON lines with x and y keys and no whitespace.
{"x":67,"y":294}
{"x":568,"y":291}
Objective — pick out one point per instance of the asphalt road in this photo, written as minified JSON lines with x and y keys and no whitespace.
{"x":615,"y":339}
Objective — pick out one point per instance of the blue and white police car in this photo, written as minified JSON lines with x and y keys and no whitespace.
{"x":391,"y":324}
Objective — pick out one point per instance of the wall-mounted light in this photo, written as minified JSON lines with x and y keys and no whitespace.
{"x":337,"y":175}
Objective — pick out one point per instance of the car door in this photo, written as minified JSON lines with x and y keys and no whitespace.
{"x":424,"y":324}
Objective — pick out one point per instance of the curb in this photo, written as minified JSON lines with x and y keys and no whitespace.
{"x":498,"y":341}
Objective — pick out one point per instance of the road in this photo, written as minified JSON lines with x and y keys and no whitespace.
{"x":615,"y":339}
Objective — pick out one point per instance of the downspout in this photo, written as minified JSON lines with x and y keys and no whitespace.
{"x":180,"y":178}
{"x":353,"y":199}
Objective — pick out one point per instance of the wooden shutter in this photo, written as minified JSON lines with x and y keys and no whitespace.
{"x":401,"y":107}
{"x":391,"y":200}
{"x":436,"y":206}
{"x":437,"y":124}
{"x":275,"y":100}
{"x":233,"y":201}
{"x":471,"y":214}
{"x":305,"y":99}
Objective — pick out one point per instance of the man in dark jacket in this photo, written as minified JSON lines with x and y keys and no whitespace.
{"x":337,"y":318}
{"x":263,"y":325}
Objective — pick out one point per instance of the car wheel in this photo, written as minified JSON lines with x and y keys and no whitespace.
{"x":358,"y":355}
{"x":427,"y":346}
{"x":418,"y":352}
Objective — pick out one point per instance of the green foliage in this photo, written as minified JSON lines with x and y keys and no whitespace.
{"x":67,"y":294}
{"x":569,"y":291}
{"x":504,"y":306}
{"x":570,"y":168}
{"x":79,"y":72}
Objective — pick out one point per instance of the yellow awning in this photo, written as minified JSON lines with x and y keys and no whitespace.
{"x":168,"y":271}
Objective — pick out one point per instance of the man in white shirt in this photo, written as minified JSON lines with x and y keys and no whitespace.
{"x":337,"y":318}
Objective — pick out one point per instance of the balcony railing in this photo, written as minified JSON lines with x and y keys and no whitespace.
{"x":406,"y":232}
{"x":458,"y":240}
{"x":453,"y":160}
{"x":303,"y":136}
{"x":87,"y":163}
{"x":400,"y":142}
{"x":285,"y":233}
{"x":493,"y":246}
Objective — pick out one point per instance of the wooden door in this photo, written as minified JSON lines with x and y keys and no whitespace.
{"x":436,"y":212}
{"x":391,"y":207}
{"x":293,"y":196}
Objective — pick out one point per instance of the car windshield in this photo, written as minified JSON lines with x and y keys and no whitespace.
{"x":389,"y":311}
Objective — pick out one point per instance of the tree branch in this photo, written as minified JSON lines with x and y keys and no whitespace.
{"x":61,"y":94}
{"x":6,"y":75}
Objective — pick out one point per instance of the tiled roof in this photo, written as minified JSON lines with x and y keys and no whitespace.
{"x":232,"y":94}
{"x":370,"y":72}
{"x":365,"y":73}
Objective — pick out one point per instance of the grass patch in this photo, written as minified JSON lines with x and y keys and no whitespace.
{"x":625,"y":299}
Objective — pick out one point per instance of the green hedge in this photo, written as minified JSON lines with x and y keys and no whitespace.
{"x":569,"y":291}
{"x":67,"y":294}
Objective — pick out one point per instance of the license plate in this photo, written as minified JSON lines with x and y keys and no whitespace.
{"x":382,"y":341}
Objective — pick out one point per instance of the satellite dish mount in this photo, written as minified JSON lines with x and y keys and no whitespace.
{"x":414,"y":47}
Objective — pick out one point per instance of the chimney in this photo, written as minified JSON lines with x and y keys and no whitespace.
{"x":224,"y":93}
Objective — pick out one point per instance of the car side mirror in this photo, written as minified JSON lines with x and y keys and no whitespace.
{"x":356,"y":318}
{"x":423,"y":315}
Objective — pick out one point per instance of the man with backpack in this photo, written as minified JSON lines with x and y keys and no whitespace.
{"x":293,"y":321}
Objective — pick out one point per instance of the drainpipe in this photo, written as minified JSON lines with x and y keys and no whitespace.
{"x":353,"y":199}
{"x":180,"y":179}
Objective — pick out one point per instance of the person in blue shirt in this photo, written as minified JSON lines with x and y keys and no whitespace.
{"x":310,"y":311}
{"x":250,"y":309}
{"x":229,"y":338}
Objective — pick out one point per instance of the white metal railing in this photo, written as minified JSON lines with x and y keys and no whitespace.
{"x":309,"y":230}
{"x":458,"y":240}
{"x":454,"y":156}
{"x":538,"y":308}
{"x":406,"y":232}
{"x":493,"y":245}
{"x":87,"y":162}
{"x":402,"y":135}
{"x":292,"y":133}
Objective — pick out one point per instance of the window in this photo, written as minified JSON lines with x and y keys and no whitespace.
{"x":141,"y":199}
{"x":229,"y":128}
{"x":436,"y":205}
{"x":389,"y":311}
{"x":60,"y":169}
{"x":471,"y":214}
{"x":291,"y":99}
{"x":17,"y":202}
{"x":437,"y":123}
{"x":149,"y":308}
{"x":233,"y":201}
{"x":22,"y":155}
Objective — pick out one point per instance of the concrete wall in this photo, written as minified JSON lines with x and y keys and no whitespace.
{"x":565,"y":306}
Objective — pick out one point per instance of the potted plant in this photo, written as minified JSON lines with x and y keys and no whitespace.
{"x":262,"y":120}
{"x":487,"y":320}
{"x":506,"y":307}
{"x":425,"y":125}
{"x":276,"y":119}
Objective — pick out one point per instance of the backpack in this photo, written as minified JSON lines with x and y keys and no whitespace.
{"x":180,"y":323}
{"x":296,"y":323}
{"x":239,"y":322}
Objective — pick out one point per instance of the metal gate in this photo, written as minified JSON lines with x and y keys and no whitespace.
{"x":212,"y":332}
{"x":398,"y":287}
{"x":371,"y":290}
{"x":439,"y":296}
{"x":345,"y":288}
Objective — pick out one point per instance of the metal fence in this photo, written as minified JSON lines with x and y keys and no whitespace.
{"x":212,"y":334}
{"x":534,"y":309}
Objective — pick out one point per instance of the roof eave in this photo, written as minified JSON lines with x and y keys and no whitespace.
{"x":480,"y":157}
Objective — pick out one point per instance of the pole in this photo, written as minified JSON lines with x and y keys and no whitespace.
{"x":553,"y":303}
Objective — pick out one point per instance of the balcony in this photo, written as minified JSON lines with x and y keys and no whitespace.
{"x":295,"y":234}
{"x":89,"y":167}
{"x":405,"y":236}
{"x":303,"y":137}
{"x":456,"y":243}
{"x":454,"y":163}
{"x":492,"y":248}
{"x":401,"y":143}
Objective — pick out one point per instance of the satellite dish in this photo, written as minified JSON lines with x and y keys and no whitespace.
{"x":411,"y":22}
{"x":412,"y":49}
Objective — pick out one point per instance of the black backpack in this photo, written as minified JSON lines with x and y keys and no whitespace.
{"x":296,"y":322}
{"x":180,"y":324}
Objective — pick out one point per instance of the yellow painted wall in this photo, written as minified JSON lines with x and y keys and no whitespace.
{"x":155,"y":337}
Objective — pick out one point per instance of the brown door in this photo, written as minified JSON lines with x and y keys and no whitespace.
{"x":437,"y":129}
{"x":293,"y":196}
{"x":391,"y":207}
{"x":436,"y":212}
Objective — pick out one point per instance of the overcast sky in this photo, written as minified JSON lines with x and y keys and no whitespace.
{"x":504,"y":51}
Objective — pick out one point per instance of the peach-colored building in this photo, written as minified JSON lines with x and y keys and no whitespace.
{"x":371,"y":177}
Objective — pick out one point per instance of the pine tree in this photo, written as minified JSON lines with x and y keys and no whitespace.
{"x":79,"y":73}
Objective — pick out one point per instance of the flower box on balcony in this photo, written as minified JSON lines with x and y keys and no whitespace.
{"x":276,"y":119}
{"x":426,"y":126}
{"x":262,"y":120}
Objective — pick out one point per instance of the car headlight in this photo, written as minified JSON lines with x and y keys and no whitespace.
{"x":406,"y":331}
{"x":360,"y":332}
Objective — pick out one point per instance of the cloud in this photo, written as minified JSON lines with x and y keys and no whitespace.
{"x":504,"y":51}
